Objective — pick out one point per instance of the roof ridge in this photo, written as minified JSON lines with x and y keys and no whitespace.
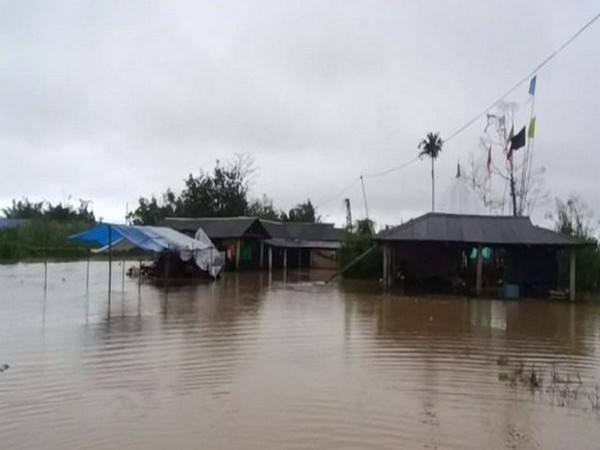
{"x":486,"y":216}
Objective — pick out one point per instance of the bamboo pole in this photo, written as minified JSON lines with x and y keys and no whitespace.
{"x":87,"y":273}
{"x":351,"y":263}
{"x":123,"y":276}
{"x":479,"y":280}
{"x":572,"y":275}
{"x":45,"y":255}
{"x":109,"y":265}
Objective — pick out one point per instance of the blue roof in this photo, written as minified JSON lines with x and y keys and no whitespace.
{"x":155,"y":239}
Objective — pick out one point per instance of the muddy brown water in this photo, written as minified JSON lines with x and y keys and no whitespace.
{"x":259,"y":362}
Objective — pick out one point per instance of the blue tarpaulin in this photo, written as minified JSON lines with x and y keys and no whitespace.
{"x":154,"y":239}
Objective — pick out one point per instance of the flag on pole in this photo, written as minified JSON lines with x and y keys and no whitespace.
{"x":516,"y":142}
{"x":489,"y":160}
{"x":532,"y":85}
{"x":531,"y":130}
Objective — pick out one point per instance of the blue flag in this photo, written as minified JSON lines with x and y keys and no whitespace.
{"x":532,"y":85}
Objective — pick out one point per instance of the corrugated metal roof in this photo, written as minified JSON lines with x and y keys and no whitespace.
{"x":289,"y":243}
{"x":304,"y":231}
{"x":236,"y":227}
{"x":500,"y":230}
{"x":214,"y":227}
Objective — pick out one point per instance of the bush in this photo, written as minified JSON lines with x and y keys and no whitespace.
{"x":357,"y":242}
{"x":40,"y":239}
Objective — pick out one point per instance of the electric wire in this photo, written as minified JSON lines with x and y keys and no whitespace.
{"x":524,"y":79}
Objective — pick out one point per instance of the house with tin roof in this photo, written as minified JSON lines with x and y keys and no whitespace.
{"x":504,"y":255}
{"x":253,"y":243}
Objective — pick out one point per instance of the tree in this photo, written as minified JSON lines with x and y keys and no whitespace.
{"x":302,"y":212}
{"x":62,"y":212}
{"x":496,"y":178}
{"x":263,"y":208}
{"x":431,"y":146}
{"x":218,"y":194}
{"x":355,"y":244}
{"x":572,"y":217}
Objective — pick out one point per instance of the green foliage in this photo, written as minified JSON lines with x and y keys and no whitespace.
{"x":302,"y":212}
{"x":573,"y":218}
{"x":370,"y":267}
{"x":263,"y":209}
{"x":41,"y":238}
{"x":25,"y":209}
{"x":431,"y":146}
{"x":221,"y":193}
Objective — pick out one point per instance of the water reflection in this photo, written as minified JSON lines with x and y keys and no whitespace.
{"x":279,"y":361}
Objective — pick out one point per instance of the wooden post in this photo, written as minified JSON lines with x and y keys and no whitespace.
{"x":479,"y":281}
{"x":572,"y":269}
{"x":45,"y":255}
{"x":238,"y":249}
{"x":393,"y":272}
{"x":385,"y":265}
{"x":270,"y":258}
{"x":109,"y":264}
{"x":87,"y":273}
{"x":123,"y":275}
{"x":261,"y":262}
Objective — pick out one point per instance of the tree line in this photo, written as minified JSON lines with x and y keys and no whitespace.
{"x":224,"y":192}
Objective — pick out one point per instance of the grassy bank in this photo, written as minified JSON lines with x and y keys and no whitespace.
{"x":42,"y":239}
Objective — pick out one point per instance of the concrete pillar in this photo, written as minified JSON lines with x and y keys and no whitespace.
{"x":270,"y":258}
{"x":479,"y":280}
{"x":572,"y":287}
{"x":238,"y":249}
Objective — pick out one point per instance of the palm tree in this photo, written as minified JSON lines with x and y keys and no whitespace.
{"x":432,"y":146}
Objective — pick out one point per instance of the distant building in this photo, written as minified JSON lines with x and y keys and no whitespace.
{"x":253,"y":243}
{"x":497,"y":255}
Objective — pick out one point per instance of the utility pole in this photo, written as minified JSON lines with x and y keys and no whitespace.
{"x":362,"y":181}
{"x":348,"y":214}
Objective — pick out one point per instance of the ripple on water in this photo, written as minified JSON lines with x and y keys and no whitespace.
{"x":245,"y":364}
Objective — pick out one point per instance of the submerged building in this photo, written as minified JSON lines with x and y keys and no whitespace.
{"x":494,"y":255}
{"x":253,"y":243}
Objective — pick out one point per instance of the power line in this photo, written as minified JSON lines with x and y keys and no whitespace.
{"x":337,"y":194}
{"x":477,"y":117}
{"x":370,"y":175}
{"x":524,"y":79}
{"x":392,"y":169}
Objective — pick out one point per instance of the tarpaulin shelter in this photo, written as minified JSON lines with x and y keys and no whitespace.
{"x":155,"y":239}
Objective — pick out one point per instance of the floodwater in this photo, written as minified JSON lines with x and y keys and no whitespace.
{"x":259,"y":362}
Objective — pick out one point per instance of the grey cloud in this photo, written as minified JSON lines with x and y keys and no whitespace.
{"x":120,"y":99}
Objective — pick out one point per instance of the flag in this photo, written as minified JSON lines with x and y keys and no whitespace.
{"x":489,"y":161}
{"x":532,"y":85}
{"x":516,"y":142}
{"x":531,"y":131}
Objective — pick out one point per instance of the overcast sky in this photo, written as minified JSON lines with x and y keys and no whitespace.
{"x":110,"y":101}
